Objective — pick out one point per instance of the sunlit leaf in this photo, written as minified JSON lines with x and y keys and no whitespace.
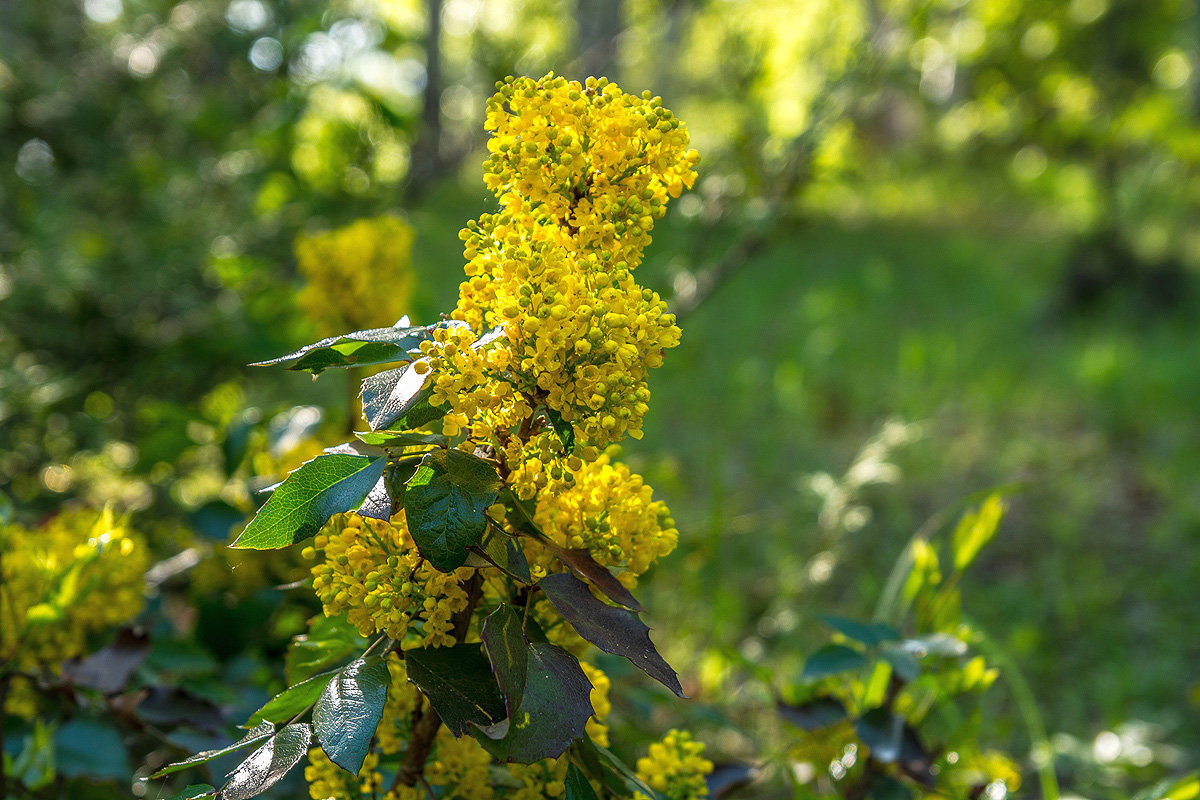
{"x":349,"y":709}
{"x":291,"y":701}
{"x":267,"y":765}
{"x":976,"y":530}
{"x":389,"y":395}
{"x":360,"y":348}
{"x":257,"y":734}
{"x":444,"y":504}
{"x":328,"y":643}
{"x":327,"y":485}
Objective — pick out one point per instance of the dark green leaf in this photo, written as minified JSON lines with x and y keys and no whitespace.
{"x":614,"y":630}
{"x":389,"y":395}
{"x":90,"y":748}
{"x":885,"y":787}
{"x":255,"y":735}
{"x":903,"y":662}
{"x":503,"y":551}
{"x":195,"y":792}
{"x":444,"y":503}
{"x":869,"y":633}
{"x":349,"y":710}
{"x":291,"y":701}
{"x":459,"y":684}
{"x":360,"y":348}
{"x":267,"y":765}
{"x":601,"y":764}
{"x":327,"y":485}
{"x":818,"y":713}
{"x":832,"y":659}
{"x":329,"y":642}
{"x":508,"y":652}
{"x":725,"y":779}
{"x":564,"y":429}
{"x":399,"y":439}
{"x":580,"y":562}
{"x":578,"y":787}
{"x":554,"y":710}
{"x":891,"y":740}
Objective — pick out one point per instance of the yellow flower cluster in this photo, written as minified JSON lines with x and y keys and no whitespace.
{"x":581,"y":173}
{"x":79,"y":573}
{"x":358,"y":276}
{"x":611,"y":512}
{"x":372,"y":571}
{"x":675,"y":767}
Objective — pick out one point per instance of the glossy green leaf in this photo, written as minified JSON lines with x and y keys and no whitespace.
{"x":444,"y":504}
{"x":869,"y":633}
{"x":389,"y":395}
{"x":508,"y":651}
{"x":614,"y":630}
{"x":257,"y":734}
{"x":378,"y":502}
{"x":349,"y":709}
{"x":401,"y":439}
{"x":555,"y":707}
{"x":459,"y":683}
{"x":975,"y":530}
{"x":504,"y":551}
{"x":832,"y":659}
{"x":357,"y":349}
{"x":291,"y":701}
{"x":267,"y":765}
{"x":577,"y":786}
{"x":327,"y":485}
{"x":603,"y":765}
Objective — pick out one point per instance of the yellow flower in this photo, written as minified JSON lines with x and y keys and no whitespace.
{"x":675,"y":767}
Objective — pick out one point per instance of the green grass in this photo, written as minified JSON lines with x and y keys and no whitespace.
{"x":795,"y":362}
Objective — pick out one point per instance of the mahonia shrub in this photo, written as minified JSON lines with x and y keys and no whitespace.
{"x":62,"y":585}
{"x":472,"y":547}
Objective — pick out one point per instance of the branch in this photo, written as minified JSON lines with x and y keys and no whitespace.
{"x":427,"y":722}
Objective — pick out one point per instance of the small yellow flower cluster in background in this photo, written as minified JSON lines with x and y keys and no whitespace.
{"x":675,"y":767}
{"x":372,"y":571}
{"x":611,"y":512}
{"x":73,"y":577}
{"x":357,"y":276}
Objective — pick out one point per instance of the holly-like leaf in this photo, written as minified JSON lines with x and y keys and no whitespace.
{"x":602,"y":765}
{"x":259,"y":733}
{"x":555,"y":707}
{"x":508,"y":651}
{"x":612,"y":629}
{"x":349,"y":709}
{"x":444,"y":503}
{"x":459,"y":684}
{"x":357,"y":349}
{"x":389,"y":395}
{"x":818,"y":713}
{"x":577,"y":785}
{"x":832,"y":659}
{"x":267,"y":765}
{"x":327,"y":485}
{"x":291,"y":701}
{"x":580,"y":562}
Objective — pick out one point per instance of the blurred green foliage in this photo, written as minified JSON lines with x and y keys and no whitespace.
{"x":936,"y":247}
